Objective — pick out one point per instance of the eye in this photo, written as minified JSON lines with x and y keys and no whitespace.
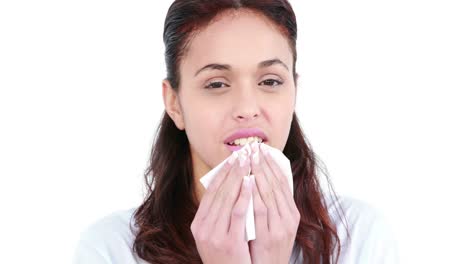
{"x":216,"y":85}
{"x":270,"y":82}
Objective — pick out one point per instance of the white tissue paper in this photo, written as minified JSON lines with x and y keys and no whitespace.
{"x":282,"y":161}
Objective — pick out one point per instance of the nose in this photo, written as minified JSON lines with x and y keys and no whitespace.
{"x":246,"y":104}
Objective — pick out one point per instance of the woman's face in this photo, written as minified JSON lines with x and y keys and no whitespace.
{"x":249,"y":84}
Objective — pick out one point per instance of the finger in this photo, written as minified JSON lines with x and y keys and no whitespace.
{"x":260,"y":212}
{"x":217,"y":181}
{"x":230,"y":191}
{"x":265,"y":189}
{"x":281,"y":206}
{"x":281,"y":182}
{"x":208,"y":197}
{"x":239,"y":212}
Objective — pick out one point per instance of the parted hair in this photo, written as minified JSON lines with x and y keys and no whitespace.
{"x":164,"y":218}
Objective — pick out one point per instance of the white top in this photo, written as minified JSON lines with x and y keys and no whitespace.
{"x":110,"y":240}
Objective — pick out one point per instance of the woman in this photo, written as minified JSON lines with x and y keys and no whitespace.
{"x":231,"y":74}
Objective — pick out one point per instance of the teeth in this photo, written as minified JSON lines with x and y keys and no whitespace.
{"x":243,"y":141}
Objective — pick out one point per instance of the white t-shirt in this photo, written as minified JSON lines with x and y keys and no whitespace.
{"x":110,"y":240}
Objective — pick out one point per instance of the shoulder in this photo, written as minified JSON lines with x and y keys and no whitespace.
{"x":108,"y":240}
{"x":366,"y":235}
{"x":113,"y":226}
{"x":355,"y":211}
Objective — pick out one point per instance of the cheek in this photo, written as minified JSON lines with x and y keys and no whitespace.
{"x":281,"y":119}
{"x":203,"y":132}
{"x":202,"y":114}
{"x":203,"y":126}
{"x":199,"y":123}
{"x":282,"y":107}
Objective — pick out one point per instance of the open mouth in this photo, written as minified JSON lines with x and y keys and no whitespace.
{"x":233,"y":146}
{"x":240,"y":142}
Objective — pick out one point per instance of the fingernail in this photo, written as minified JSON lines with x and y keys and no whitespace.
{"x":246,"y":162}
{"x":248,"y":149}
{"x":255,"y":147}
{"x":252,"y":179}
{"x":246,"y":181}
{"x":242,"y":160}
{"x":233,"y":158}
{"x":256,"y":158}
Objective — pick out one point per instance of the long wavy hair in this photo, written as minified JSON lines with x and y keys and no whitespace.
{"x":163,"y":220}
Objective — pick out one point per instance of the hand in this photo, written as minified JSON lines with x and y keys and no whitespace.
{"x":276,"y":215}
{"x":219,"y":224}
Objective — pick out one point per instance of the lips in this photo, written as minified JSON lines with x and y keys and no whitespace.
{"x":245,"y":133}
{"x":233,"y":148}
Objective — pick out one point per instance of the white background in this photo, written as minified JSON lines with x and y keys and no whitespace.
{"x":382,"y":98}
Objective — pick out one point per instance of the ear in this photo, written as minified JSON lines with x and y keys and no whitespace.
{"x":172,"y":104}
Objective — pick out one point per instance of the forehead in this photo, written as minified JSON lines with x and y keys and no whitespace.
{"x":238,"y":38}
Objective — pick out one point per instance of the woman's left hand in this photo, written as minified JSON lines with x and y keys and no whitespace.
{"x":276,"y":215}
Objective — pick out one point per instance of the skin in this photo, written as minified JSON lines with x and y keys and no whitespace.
{"x":241,"y":94}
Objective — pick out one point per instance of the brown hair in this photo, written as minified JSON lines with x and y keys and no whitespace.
{"x":164,"y":218}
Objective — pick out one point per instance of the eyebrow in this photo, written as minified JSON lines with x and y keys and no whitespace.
{"x":227,"y":67}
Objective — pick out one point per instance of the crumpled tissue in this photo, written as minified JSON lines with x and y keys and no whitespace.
{"x":284,"y":165}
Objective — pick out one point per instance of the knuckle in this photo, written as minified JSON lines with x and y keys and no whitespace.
{"x":231,"y":196}
{"x":193,"y":228}
{"x":269,"y":245}
{"x":278,"y":236}
{"x":237,"y":212}
{"x":291,"y":231}
{"x":268,"y":194}
{"x":261,"y":210}
{"x":227,"y":197}
{"x":202,"y":237}
{"x":297,"y":215}
{"x":221,"y":193}
{"x":229,"y":249}
{"x":243,"y":195}
{"x":218,"y":243}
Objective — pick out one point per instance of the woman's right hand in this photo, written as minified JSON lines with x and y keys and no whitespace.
{"x":219,"y":224}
